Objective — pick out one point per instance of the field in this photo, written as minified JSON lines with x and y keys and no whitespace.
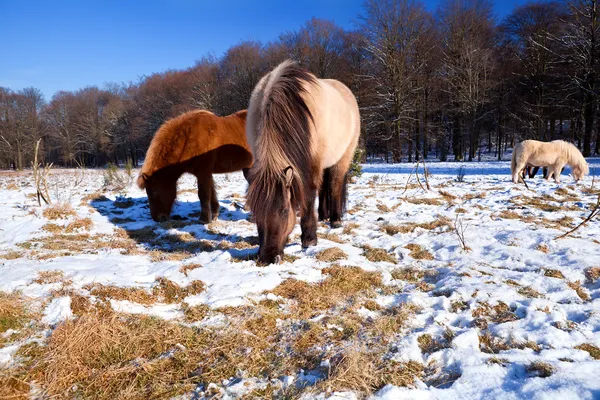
{"x":460,"y":291}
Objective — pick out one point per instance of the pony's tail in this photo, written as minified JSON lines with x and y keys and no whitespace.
{"x":513,"y":160}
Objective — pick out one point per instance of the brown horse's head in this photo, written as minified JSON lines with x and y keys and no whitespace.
{"x":275,"y":215}
{"x":161,"y":195}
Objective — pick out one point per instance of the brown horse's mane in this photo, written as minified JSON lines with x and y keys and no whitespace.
{"x":283,"y":139}
{"x":176,"y":141}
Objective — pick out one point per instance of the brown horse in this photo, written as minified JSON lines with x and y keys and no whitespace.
{"x":303,"y":132}
{"x":200,"y":143}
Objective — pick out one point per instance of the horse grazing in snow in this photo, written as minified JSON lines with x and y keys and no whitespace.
{"x":200,"y":143}
{"x":553,"y":155}
{"x":303,"y":132}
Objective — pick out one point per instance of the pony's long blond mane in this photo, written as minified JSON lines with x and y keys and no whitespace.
{"x":282,"y":125}
{"x":573,"y":156}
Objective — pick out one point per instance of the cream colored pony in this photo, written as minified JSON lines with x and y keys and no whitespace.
{"x":303,"y":132}
{"x":553,"y":155}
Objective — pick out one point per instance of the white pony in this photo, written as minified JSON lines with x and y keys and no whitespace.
{"x":553,"y":155}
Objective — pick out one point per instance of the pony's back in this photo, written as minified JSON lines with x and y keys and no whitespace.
{"x":189,"y":135}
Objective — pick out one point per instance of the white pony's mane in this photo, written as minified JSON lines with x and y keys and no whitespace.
{"x":574,"y":157}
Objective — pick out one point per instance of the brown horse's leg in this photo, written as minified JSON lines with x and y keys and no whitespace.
{"x":205,"y":191}
{"x":308,"y":220}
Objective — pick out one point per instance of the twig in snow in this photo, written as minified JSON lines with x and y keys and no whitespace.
{"x":460,"y":229}
{"x":594,"y":212}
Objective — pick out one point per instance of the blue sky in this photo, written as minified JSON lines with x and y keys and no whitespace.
{"x":67,"y":45}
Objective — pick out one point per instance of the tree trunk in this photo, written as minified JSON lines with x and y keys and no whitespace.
{"x":457,"y":139}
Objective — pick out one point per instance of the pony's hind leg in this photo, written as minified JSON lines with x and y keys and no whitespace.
{"x":325,"y":195}
{"x":308,"y":220}
{"x":206,"y":188}
{"x":338,"y":196}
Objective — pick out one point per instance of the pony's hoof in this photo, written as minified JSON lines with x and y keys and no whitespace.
{"x":336,"y":224}
{"x":204,"y":220}
{"x":306,"y":243}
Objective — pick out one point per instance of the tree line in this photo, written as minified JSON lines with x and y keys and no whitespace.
{"x":453,"y":83}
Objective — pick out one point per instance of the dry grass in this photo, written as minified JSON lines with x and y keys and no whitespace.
{"x":581,"y":292}
{"x":429,"y":201}
{"x":331,"y":254}
{"x":58,"y":211}
{"x":428,"y":344}
{"x":79,"y":224}
{"x":52,"y":228}
{"x":449,"y":197}
{"x":163,"y":290}
{"x":341,"y":284}
{"x":592,"y":275}
{"x":542,"y":203}
{"x":383,"y":208}
{"x":439,"y":222}
{"x":590,"y":348}
{"x":471,"y":196}
{"x":184,"y":269}
{"x":498,"y":314}
{"x":11,"y":255}
{"x":554,"y":273}
{"x":48,"y":277}
{"x":360,"y":370}
{"x":376,"y":254}
{"x":540,"y":369}
{"x":94,"y":197}
{"x":530,"y":292}
{"x":331,"y":237}
{"x":13,"y":312}
{"x":158,"y":255}
{"x":543,"y":248}
{"x":418,"y":252}
{"x":412,"y":274}
{"x":349,"y":227}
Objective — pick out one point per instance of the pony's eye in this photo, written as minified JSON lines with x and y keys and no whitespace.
{"x":285,"y":212}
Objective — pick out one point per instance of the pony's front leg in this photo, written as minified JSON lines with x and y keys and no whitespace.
{"x":308,"y":220}
{"x":557,"y":171}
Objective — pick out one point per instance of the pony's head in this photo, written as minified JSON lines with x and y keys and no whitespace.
{"x":579,"y":171}
{"x":272,"y":204}
{"x":161,"y":195}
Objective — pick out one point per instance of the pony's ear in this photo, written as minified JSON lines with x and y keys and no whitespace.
{"x":288,"y":173}
{"x":141,"y":180}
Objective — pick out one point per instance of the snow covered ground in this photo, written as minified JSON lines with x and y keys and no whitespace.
{"x":496,"y":293}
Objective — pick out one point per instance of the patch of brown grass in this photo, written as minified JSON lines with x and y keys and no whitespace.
{"x":331,"y":254}
{"x":471,"y":196}
{"x":360,"y":370}
{"x":418,"y":252}
{"x":412,"y":274}
{"x":592,"y":274}
{"x":449,"y":197}
{"x":52,"y":228}
{"x":188,"y":267}
{"x":79,"y":224}
{"x":428,"y":344}
{"x":498,"y":314}
{"x":542,"y":203}
{"x":349,"y":226}
{"x":581,"y":292}
{"x":11,"y":255}
{"x":163,"y":290}
{"x":341,"y":284}
{"x":58,"y":211}
{"x":590,"y":348}
{"x":376,"y":254}
{"x":540,"y":369}
{"x":429,"y":201}
{"x":48,"y":277}
{"x":491,"y":344}
{"x":13,"y":312}
{"x":195,"y":313}
{"x":439,"y":222}
{"x":331,"y":237}
{"x":530,"y":292}
{"x":383,"y":208}
{"x":94,"y":197}
{"x":158,"y":255}
{"x":554,"y":273}
{"x":543,"y":248}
